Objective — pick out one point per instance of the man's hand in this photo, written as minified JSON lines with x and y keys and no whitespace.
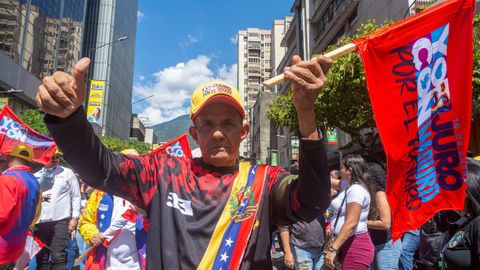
{"x":288,"y":260}
{"x":61,"y":94}
{"x":97,"y":240}
{"x":308,"y":79}
{"x":72,"y":225}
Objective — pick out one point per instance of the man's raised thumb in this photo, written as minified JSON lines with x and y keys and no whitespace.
{"x":80,"y":69}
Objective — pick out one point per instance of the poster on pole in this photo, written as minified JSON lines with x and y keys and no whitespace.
{"x":95,"y":101}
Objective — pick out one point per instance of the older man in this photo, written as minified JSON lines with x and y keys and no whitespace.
{"x":213,"y":212}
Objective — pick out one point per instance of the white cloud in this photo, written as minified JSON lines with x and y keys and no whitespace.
{"x":191,"y":39}
{"x":234,"y":39}
{"x":172,"y":87}
{"x":140,"y":15}
{"x":141,"y":77}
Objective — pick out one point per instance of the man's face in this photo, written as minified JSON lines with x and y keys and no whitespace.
{"x":218,"y":130}
{"x":55,"y":161}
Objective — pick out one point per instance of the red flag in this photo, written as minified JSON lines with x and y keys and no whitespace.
{"x":178,"y":147}
{"x":13,"y":131}
{"x":419,"y":77}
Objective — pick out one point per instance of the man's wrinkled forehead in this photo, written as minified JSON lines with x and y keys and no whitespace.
{"x":222,"y":112}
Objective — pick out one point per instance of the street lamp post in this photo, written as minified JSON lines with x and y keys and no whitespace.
{"x":11,"y":91}
{"x":106,"y":44}
{"x":90,"y":78}
{"x":136,"y":101}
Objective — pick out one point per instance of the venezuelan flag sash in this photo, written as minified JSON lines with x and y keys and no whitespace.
{"x":233,"y":230}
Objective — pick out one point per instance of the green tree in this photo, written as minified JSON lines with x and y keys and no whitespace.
{"x":344,"y":101}
{"x":476,"y":66}
{"x":115,"y":144}
{"x":34,"y":119}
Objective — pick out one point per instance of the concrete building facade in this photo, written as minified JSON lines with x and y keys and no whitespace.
{"x":260,"y":127}
{"x":254,"y":67}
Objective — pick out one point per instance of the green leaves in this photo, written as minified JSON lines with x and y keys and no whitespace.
{"x":34,"y":119}
{"x":476,"y":63}
{"x":115,"y":144}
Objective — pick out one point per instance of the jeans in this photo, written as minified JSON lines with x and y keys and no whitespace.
{"x":387,"y":256}
{"x":410,"y":242}
{"x":82,"y":247}
{"x":308,"y":258}
{"x":72,"y":252}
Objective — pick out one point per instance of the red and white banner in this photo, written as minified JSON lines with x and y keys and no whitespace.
{"x":13,"y":132}
{"x":177,"y":147}
{"x":32,"y":247}
{"x":419,"y":78}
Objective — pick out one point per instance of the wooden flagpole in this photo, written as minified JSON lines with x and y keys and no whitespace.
{"x":335,"y":54}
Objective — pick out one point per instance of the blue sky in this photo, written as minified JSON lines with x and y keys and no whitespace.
{"x":181,"y":44}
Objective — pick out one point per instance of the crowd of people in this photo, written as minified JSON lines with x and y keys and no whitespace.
{"x":66,"y":216}
{"x":218,"y":211}
{"x":360,"y":221}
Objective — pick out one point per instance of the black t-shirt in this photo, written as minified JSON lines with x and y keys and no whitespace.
{"x":379,"y":236}
{"x":305,"y":234}
{"x":184,"y":198}
{"x":463,"y":249}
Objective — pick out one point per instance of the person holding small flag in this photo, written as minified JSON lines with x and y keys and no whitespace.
{"x":113,"y":226}
{"x":20,"y":204}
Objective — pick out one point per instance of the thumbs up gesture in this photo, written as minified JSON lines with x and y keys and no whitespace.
{"x":61,"y":94}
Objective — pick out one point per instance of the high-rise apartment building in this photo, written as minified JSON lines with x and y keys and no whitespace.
{"x":254,"y":67}
{"x":110,"y":30}
{"x":37,"y":38}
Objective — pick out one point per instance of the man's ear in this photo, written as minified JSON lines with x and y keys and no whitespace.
{"x":193,"y":132}
{"x":245,"y":130}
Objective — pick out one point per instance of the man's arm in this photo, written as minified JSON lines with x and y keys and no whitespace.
{"x":310,"y":195}
{"x":61,"y":97}
{"x":288,"y":258}
{"x":75,"y":196}
{"x":114,"y":173}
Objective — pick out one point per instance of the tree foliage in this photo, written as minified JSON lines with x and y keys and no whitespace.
{"x":115,"y":144}
{"x":343,"y":102}
{"x":34,"y":119}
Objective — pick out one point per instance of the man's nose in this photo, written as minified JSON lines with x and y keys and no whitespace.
{"x":218,"y":133}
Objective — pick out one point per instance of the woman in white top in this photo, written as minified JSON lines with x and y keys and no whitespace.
{"x":352,"y":245}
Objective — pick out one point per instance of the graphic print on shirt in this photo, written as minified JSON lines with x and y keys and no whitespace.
{"x":184,"y":206}
{"x":459,"y":236}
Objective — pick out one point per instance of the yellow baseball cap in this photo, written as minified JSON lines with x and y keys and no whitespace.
{"x":22,"y":151}
{"x":58,"y":152}
{"x":213,"y":92}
